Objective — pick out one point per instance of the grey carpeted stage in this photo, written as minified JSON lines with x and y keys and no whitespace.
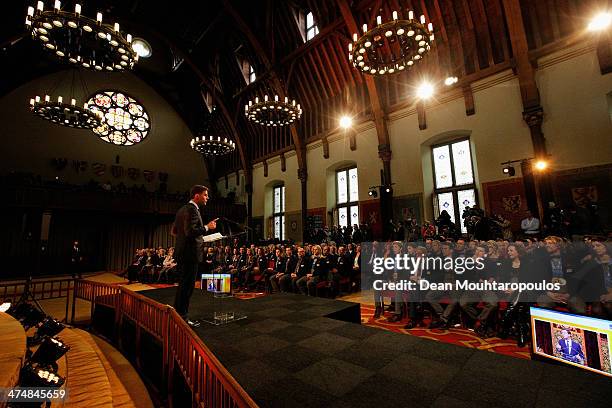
{"x":289,"y":353}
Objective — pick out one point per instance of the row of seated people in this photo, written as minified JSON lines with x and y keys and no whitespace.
{"x":151,"y":265}
{"x":583,"y":271}
{"x":310,"y":269}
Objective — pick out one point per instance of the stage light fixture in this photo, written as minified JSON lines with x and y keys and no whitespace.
{"x":509,"y":170}
{"x":600,"y":22}
{"x":387,"y":189}
{"x":50,"y":327}
{"x":34,"y":376}
{"x":50,"y":350}
{"x":373,"y":193}
{"x":346,"y":122}
{"x":425,"y":90}
{"x":27,"y":314}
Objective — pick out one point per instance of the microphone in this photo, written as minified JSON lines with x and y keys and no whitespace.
{"x":234,"y":222}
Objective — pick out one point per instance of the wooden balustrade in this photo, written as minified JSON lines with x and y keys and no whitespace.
{"x":210,"y":383}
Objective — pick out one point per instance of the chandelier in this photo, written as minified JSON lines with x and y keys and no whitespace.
{"x":81,"y":40}
{"x":62,"y":113}
{"x":391,"y":47}
{"x":273,"y":112}
{"x":211,"y":146}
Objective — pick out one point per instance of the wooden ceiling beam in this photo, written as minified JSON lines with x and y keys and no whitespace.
{"x":384,"y":147}
{"x":276,"y":82}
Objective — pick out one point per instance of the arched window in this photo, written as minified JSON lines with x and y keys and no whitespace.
{"x":278,"y":214}
{"x":347,"y":196}
{"x":454,"y":187}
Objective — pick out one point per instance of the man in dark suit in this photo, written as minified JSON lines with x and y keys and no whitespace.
{"x":190,"y":230}
{"x":570,"y":350}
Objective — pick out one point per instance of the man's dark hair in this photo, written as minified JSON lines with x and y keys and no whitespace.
{"x":197,"y":189}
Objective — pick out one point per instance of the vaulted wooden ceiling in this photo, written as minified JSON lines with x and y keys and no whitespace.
{"x":197,"y":46}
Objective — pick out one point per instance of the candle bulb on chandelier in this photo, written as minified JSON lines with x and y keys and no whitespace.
{"x":365,"y":28}
{"x":37,"y":99}
{"x":47,"y":98}
{"x":422,"y":19}
{"x":350,"y":47}
{"x":99,"y":18}
{"x":378,"y":20}
{"x":31,"y":101}
{"x":58,"y":5}
{"x":430,"y":27}
{"x":265,"y":98}
{"x":411,"y":15}
{"x":275,"y":98}
{"x":40,"y":6}
{"x":116,"y":27}
{"x":394,"y":15}
{"x":73,"y":102}
{"x":286,"y":100}
{"x":355,"y":37}
{"x":129,"y":38}
{"x":60,"y":99}
{"x":77,"y":9}
{"x":31,"y":11}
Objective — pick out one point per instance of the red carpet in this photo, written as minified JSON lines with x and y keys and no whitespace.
{"x":461,"y":337}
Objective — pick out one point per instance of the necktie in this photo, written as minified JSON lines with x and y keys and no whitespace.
{"x":297,"y":266}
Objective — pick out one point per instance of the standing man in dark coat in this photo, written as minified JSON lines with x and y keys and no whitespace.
{"x":190,"y":229}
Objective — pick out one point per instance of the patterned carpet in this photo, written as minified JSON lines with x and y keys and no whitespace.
{"x":461,"y":337}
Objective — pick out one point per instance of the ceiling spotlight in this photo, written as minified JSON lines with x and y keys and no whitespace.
{"x":142,"y":48}
{"x":373,"y":193}
{"x":346,"y":122}
{"x":451,"y":80}
{"x":509,"y":170}
{"x":600,"y":22}
{"x":425,"y":90}
{"x":541,"y":165}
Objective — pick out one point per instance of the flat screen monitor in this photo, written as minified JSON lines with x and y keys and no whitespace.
{"x":217,"y":282}
{"x":580,"y":341}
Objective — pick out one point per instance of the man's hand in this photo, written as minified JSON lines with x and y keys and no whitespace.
{"x":212,"y":225}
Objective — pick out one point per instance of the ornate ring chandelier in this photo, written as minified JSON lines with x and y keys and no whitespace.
{"x":273,"y":112}
{"x":391,"y":47}
{"x":211,"y":146}
{"x":65,"y":114}
{"x":81,"y":40}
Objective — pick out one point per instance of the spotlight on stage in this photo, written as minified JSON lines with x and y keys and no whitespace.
{"x":373,"y":193}
{"x":50,"y":327}
{"x":50,"y":350}
{"x":27,"y":314}
{"x":509,"y":171}
{"x":33,"y":376}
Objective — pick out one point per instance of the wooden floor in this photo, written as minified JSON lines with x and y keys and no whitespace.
{"x":12,"y":352}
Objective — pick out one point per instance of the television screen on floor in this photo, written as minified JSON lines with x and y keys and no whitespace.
{"x":580,"y":341}
{"x":217,"y":282}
